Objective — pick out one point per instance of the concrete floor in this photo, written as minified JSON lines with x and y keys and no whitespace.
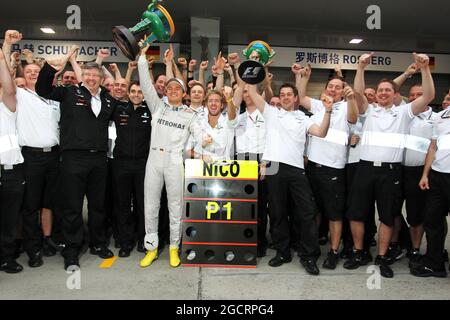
{"x":126,"y":280}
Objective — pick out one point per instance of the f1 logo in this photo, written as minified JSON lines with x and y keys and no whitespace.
{"x":251,"y":72}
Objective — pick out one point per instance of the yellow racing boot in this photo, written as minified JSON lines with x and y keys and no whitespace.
{"x":150,"y":256}
{"x":174,"y":257}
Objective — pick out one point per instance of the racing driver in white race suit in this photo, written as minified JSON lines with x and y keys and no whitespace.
{"x":172,"y":123}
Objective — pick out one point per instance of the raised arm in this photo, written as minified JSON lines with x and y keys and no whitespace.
{"x":218,"y":68}
{"x":132,"y":65}
{"x":423,"y":184}
{"x":148,"y":89}
{"x":359,"y":84}
{"x":11,"y":37}
{"x":412,"y":69}
{"x":191,"y":68}
{"x":9,"y":89}
{"x":115,"y":70}
{"x":420,"y":104}
{"x":102,"y":54}
{"x":228,"y":69}
{"x":238,"y":93}
{"x":183,"y":75}
{"x":202,"y":70}
{"x":29,"y":57}
{"x":257,"y":98}
{"x":267,"y":86}
{"x":322,"y":130}
{"x":73,"y":62}
{"x":302,"y":76}
{"x":235,"y":61}
{"x":107,"y":73}
{"x":44,"y":84}
{"x":352,"y":106}
{"x":228,"y":94}
{"x":151,"y":61}
{"x":168,"y":60}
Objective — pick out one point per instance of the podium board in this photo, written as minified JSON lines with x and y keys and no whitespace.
{"x":220,"y":214}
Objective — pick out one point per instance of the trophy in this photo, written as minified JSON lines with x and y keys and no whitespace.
{"x":156,"y":22}
{"x":258,"y":53}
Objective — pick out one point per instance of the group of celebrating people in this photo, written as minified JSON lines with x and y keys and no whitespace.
{"x":67,"y":134}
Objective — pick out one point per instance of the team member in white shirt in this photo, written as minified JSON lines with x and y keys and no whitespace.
{"x":197,"y":92}
{"x":416,"y":148}
{"x":12,"y":183}
{"x":436,"y":179}
{"x":378,"y":177}
{"x":218,"y":126}
{"x":250,"y":133}
{"x":285,"y":144}
{"x":38,"y":130}
{"x":327,"y":156}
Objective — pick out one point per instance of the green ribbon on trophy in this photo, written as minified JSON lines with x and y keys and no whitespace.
{"x":258,"y":53}
{"x":156,"y":23}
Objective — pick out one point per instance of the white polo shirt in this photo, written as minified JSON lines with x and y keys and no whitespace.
{"x":441,"y":133}
{"x":202,"y":112}
{"x":330,"y":151}
{"x":250,"y":133}
{"x":286,"y":135}
{"x":222,"y":136}
{"x":354,"y":153}
{"x":384,"y":133}
{"x":419,"y":138}
{"x":37,"y":120}
{"x":9,"y":144}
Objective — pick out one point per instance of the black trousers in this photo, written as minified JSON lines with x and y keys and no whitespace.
{"x":12,"y":186}
{"x":370,"y":227}
{"x":110,"y":195}
{"x":263,"y":200}
{"x":437,"y":208}
{"x":128,"y":178}
{"x":292,"y":182}
{"x":40,"y":170}
{"x":83,"y":173}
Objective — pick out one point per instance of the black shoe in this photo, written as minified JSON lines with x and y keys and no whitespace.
{"x":358,"y":259}
{"x":58,"y":245}
{"x":102,"y":251}
{"x":394,"y":253}
{"x":331,"y":260}
{"x":385,"y":270}
{"x":10,"y":266}
{"x":125,"y":250}
{"x":414,"y":257}
{"x":279,"y":260}
{"x":72,"y":263}
{"x":47,"y":247}
{"x":261,"y":251}
{"x":424,"y":270}
{"x":35,"y":260}
{"x":323,"y":240}
{"x":346,"y":253}
{"x":310,"y":266}
{"x":140,"y":247}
